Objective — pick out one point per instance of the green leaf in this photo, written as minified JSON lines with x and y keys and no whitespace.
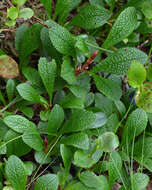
{"x":90,"y":179}
{"x":71,"y":101}
{"x":89,"y":99}
{"x":78,"y":91}
{"x":30,"y":166}
{"x":8,"y":67}
{"x":101,"y":166}
{"x":3,"y":148}
{"x":149,"y":72}
{"x":108,"y":87}
{"x":63,"y":8}
{"x":12,"y":13}
{"x":107,"y":142}
{"x":79,"y":140}
{"x":17,"y":123}
{"x":2,"y":52}
{"x":85,"y":160}
{"x":32,"y":138}
{"x":146,"y":9}
{"x":30,"y":42}
{"x":74,"y":185}
{"x":2,"y":99}
{"x":119,"y":62}
{"x":42,"y":158}
{"x":101,"y":120}
{"x":140,"y":181}
{"x":136,"y":74}
{"x":10,"y":89}
{"x":16,"y":173}
{"x":105,"y":104}
{"x":114,"y":170}
{"x":28,"y":111}
{"x":48,"y":6}
{"x":48,"y":47}
{"x":10,"y":23}
{"x":67,"y":71}
{"x":143,"y":148}
{"x":121,"y":107}
{"x":27,"y":92}
{"x":135,"y":125}
{"x":61,"y":39}
{"x":67,"y":157}
{"x":146,"y":162}
{"x":79,"y":121}
{"x":135,"y":3}
{"x":47,"y":72}
{"x":56,"y":118}
{"x":97,"y":2}
{"x":47,"y":182}
{"x":17,"y":146}
{"x":81,"y":44}
{"x":19,"y":2}
{"x":123,"y":27}
{"x":26,"y":13}
{"x":90,"y":17}
{"x":19,"y":35}
{"x":33,"y":76}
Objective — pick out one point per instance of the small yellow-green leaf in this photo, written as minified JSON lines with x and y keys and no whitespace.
{"x":147,"y":9}
{"x":143,"y":98}
{"x":8,"y":67}
{"x":10,"y":22}
{"x":136,"y":74}
{"x":12,"y":13}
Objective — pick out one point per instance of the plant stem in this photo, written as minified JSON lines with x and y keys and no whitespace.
{"x":34,"y":176}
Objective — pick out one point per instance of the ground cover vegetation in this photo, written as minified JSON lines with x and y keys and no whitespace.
{"x":75,"y":95}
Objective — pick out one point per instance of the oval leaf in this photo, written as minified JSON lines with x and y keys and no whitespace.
{"x":16,"y":173}
{"x":91,"y":16}
{"x":32,"y":138}
{"x":17,"y":123}
{"x":135,"y":125}
{"x":123,"y":27}
{"x":119,"y":62}
{"x":47,"y":182}
{"x":79,"y":140}
{"x":79,"y":121}
{"x":26,"y":13}
{"x":136,"y":74}
{"x":47,"y":72}
{"x":28,"y":92}
{"x":62,"y":40}
{"x":108,"y":87}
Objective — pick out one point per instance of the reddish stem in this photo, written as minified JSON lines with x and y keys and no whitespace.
{"x":45,"y":141}
{"x":87,"y":63}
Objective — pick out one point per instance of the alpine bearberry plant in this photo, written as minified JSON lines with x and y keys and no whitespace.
{"x":75,"y":95}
